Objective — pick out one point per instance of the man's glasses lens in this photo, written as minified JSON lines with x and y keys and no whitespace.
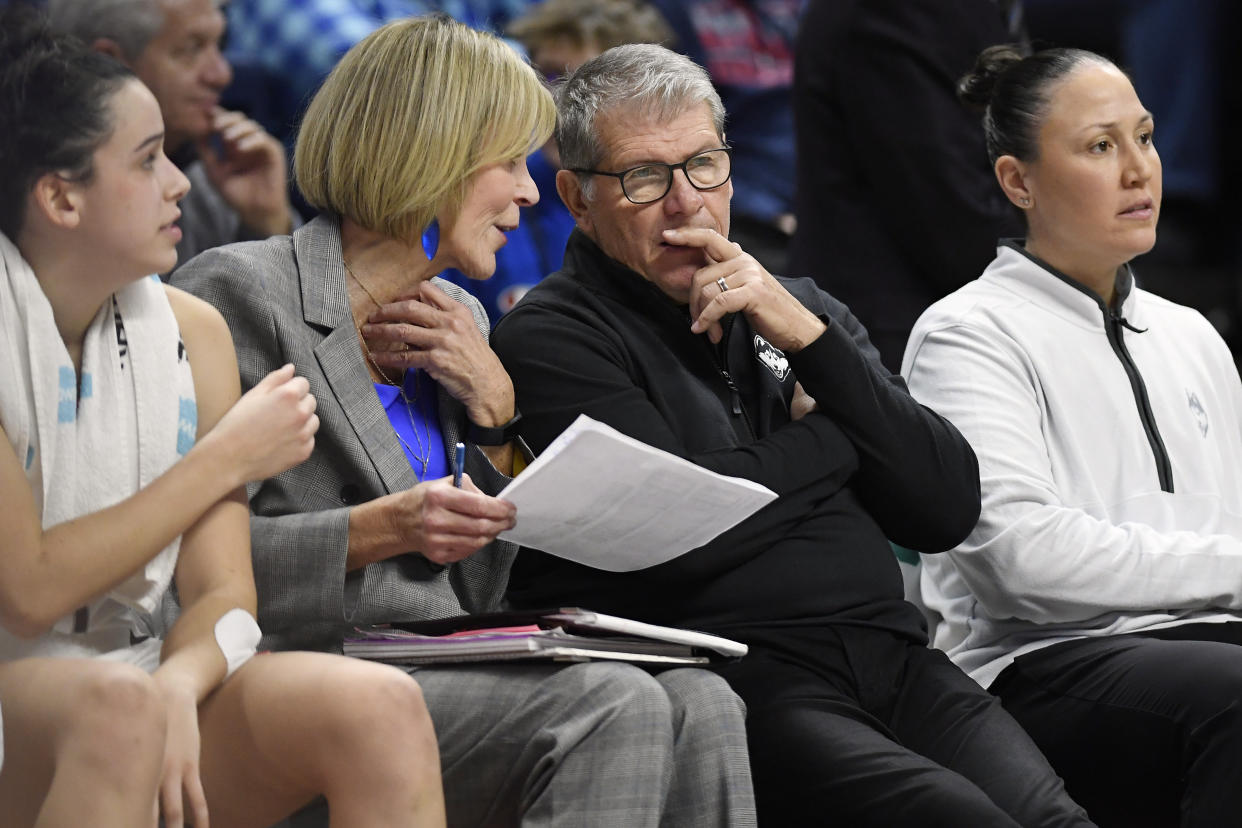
{"x":705,"y":171}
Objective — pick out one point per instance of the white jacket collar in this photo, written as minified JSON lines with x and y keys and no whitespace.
{"x":1019,"y":272}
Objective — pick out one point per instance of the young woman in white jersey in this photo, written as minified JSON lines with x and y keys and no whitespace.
{"x":124,"y":451}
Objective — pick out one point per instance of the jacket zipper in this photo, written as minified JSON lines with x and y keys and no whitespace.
{"x":1164,"y":468}
{"x":1113,"y":323}
{"x":734,"y":394}
{"x":721,"y":357}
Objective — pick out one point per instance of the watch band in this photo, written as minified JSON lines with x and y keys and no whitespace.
{"x":496,"y":435}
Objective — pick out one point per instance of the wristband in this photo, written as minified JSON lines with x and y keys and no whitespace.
{"x":237,"y":636}
{"x":495,"y":436}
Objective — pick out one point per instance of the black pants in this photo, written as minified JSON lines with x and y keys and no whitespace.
{"x":1146,"y":729}
{"x":856,"y":727}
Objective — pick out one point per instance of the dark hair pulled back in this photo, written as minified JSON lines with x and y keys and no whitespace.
{"x":1012,"y":91}
{"x":55,"y":97}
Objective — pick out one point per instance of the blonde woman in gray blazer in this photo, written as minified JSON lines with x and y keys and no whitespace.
{"x":361,"y":533}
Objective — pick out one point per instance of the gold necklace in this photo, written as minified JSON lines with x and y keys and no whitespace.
{"x":423,"y":455}
{"x":378,"y":305}
{"x":361,"y":284}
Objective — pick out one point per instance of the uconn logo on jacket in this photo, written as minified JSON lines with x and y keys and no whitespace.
{"x":1197,"y":411}
{"x":772,"y":358}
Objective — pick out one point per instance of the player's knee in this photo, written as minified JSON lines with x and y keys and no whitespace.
{"x":378,"y":705}
{"x":119,"y":718}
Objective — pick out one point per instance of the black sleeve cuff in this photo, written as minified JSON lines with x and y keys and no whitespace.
{"x":495,"y":436}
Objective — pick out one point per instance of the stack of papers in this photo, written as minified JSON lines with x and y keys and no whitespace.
{"x":606,"y":500}
{"x":505,"y":645}
{"x":560,"y":635}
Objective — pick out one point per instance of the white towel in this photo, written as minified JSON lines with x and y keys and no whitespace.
{"x":87,"y":444}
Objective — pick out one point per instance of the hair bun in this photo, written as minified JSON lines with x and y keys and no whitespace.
{"x":21,"y":28}
{"x":976,"y":86}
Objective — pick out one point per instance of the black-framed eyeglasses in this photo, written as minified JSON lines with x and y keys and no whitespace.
{"x":651,"y":182}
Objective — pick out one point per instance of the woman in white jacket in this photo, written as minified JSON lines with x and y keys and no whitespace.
{"x":1100,"y":594}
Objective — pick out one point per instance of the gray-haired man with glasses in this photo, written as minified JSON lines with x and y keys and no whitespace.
{"x":661,"y":327}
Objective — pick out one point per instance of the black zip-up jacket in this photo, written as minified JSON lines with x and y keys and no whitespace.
{"x":871,"y":465}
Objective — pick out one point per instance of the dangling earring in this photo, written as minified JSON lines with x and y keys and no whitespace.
{"x":431,"y":239}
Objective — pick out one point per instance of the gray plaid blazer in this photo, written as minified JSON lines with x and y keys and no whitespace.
{"x":285,"y":300}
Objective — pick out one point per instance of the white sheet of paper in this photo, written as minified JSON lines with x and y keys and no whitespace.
{"x":600,"y":498}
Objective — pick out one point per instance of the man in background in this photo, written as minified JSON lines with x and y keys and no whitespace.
{"x":238,"y":172}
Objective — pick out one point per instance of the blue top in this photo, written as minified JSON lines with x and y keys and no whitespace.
{"x":423,"y":413}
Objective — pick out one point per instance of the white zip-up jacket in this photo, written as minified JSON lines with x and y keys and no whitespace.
{"x":1110,"y":462}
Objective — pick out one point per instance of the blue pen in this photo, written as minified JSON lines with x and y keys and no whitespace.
{"x":461,"y":462}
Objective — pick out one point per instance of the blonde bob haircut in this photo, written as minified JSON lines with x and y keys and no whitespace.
{"x":408,"y":116}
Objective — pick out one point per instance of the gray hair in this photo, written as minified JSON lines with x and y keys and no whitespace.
{"x":131,"y":23}
{"x":643,"y":79}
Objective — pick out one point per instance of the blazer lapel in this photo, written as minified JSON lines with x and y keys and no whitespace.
{"x":325,"y":303}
